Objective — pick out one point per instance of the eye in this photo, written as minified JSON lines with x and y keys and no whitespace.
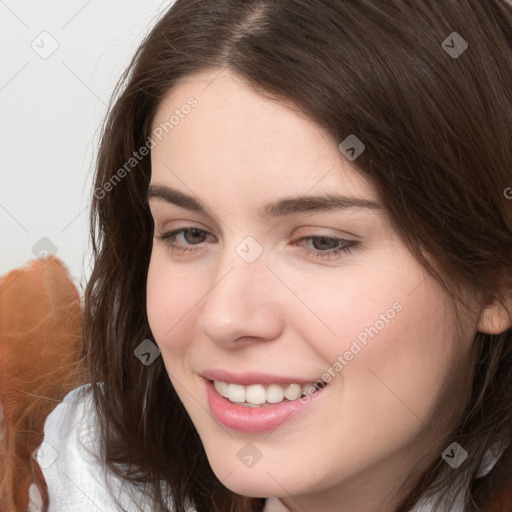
{"x":178,"y":239}
{"x":190,"y":239}
{"x":325,"y":247}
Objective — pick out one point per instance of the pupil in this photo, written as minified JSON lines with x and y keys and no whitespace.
{"x":196,"y":233}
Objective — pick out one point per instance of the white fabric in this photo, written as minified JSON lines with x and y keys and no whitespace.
{"x":77,"y":481}
{"x":35,"y":500}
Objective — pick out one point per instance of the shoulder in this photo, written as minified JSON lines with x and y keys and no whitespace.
{"x":69,"y":459}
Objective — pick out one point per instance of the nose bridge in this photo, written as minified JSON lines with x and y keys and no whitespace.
{"x":241,"y":301}
{"x":242,"y":270}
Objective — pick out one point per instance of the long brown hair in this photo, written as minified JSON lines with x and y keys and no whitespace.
{"x":437,"y":127}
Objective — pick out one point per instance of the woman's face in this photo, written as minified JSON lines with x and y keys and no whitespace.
{"x":272,"y":280}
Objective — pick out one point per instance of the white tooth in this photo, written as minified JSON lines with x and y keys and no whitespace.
{"x":293,"y":391}
{"x":255,"y":394}
{"x":221,"y":387}
{"x":308,"y":388}
{"x":236,"y":393}
{"x":275,"y":394}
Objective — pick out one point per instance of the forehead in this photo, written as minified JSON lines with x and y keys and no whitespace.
{"x":236,"y":138}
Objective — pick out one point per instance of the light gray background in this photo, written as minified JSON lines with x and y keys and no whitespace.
{"x":51,"y":109}
{"x":52,"y":106}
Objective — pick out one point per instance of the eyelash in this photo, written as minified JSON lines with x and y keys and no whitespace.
{"x":348,"y":246}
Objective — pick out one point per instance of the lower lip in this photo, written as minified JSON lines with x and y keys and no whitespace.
{"x":253,"y":420}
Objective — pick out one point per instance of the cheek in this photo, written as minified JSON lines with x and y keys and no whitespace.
{"x":387,"y":337}
{"x":171,"y":296}
{"x":401,"y":367}
{"x":351,"y":306}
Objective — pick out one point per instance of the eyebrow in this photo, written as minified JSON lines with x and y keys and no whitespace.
{"x":280,"y":208}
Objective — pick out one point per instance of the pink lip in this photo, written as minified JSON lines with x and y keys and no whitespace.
{"x":246,"y":379}
{"x":253,"y":420}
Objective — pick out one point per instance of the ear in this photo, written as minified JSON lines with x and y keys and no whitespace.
{"x":494,"y":317}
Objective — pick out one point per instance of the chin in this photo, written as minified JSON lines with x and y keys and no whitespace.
{"x":252,"y":485}
{"x":259,"y":481}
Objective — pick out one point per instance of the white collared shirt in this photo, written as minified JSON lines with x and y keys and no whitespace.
{"x":75,"y":477}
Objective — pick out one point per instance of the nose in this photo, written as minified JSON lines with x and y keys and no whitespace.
{"x":243,"y":303}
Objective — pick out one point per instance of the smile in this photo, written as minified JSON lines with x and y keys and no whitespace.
{"x":261,"y":395}
{"x":256,"y":408}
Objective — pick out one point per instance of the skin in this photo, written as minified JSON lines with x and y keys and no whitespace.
{"x":292,"y":313}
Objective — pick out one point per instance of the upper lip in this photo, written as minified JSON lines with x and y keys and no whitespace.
{"x":248,"y":378}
